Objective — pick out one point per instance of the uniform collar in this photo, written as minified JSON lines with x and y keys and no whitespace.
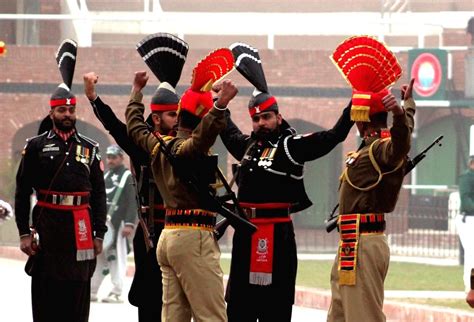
{"x":52,"y":134}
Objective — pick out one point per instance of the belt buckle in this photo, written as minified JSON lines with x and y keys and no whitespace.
{"x":66,"y":200}
{"x":253,"y":212}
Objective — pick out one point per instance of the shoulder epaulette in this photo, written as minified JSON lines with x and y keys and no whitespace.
{"x":37,"y":136}
{"x":94,"y":143}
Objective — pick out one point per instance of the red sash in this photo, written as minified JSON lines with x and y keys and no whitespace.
{"x":82,"y":228}
{"x":261,"y":251}
{"x":83,"y":231}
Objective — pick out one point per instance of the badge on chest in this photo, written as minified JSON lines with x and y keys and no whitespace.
{"x":266,"y":159}
{"x":82,"y":154}
{"x":351,"y":158}
{"x":50,"y":148}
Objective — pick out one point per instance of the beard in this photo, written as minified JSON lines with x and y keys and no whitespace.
{"x":164,"y":129}
{"x":264,"y":134}
{"x":65,"y":125}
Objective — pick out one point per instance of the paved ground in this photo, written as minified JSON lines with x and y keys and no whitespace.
{"x":15,"y":300}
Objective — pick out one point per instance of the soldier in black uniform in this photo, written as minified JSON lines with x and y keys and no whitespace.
{"x":65,"y":170}
{"x":146,"y":287}
{"x":270,"y":182}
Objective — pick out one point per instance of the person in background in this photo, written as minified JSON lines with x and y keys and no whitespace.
{"x":121,"y":218}
{"x":465,"y":221}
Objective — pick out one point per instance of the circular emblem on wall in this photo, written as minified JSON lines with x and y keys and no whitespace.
{"x":427,"y":71}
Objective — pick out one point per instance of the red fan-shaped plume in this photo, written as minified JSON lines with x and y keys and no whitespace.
{"x":212,"y":68}
{"x":3,"y":50}
{"x":367,"y":64}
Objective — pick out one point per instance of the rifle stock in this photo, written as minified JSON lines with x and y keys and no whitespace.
{"x":331,"y":221}
{"x":146,"y":234}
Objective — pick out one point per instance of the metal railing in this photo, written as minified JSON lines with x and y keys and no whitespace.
{"x":424,"y":227}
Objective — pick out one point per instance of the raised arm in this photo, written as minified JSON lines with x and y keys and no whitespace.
{"x":234,"y":140}
{"x":392,"y":151}
{"x":109,"y":120}
{"x":312,"y":146}
{"x":136,"y":127}
{"x":205,"y":134}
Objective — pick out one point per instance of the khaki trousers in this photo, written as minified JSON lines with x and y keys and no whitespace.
{"x":192,"y":276}
{"x":362,"y":302}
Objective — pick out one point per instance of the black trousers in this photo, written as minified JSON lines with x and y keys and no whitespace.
{"x":150,"y":314}
{"x":146,"y":291}
{"x":247,"y":302}
{"x":259,"y":305}
{"x":58,"y":300}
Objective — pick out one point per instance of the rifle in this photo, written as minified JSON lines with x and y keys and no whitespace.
{"x":222,"y":225}
{"x":331,"y":221}
{"x":147,"y":237}
{"x":205,"y":194}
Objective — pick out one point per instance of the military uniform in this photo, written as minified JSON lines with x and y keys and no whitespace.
{"x":65,"y":170}
{"x":147,"y":275}
{"x":465,"y":223}
{"x":122,"y":211}
{"x":270,"y":181}
{"x":369,"y":189}
{"x":69,"y":185}
{"x":187,"y":250}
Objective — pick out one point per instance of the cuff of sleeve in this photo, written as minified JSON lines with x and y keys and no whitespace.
{"x":24,"y":231}
{"x":24,"y":235}
{"x":219,"y":108}
{"x":99,"y":235}
{"x":136,"y":96}
{"x":131,"y":224}
{"x":98,"y":238}
{"x":95,"y":100}
{"x":409,"y":103}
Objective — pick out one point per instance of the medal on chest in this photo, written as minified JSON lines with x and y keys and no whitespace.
{"x":82,"y":154}
{"x":266,"y":158}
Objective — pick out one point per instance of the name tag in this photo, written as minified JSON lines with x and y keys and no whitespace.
{"x":49,"y":149}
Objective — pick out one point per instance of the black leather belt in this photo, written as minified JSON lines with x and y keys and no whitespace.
{"x":376,"y":227}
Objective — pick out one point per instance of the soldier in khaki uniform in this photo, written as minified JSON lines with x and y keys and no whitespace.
{"x":187,"y":250}
{"x":369,"y":188}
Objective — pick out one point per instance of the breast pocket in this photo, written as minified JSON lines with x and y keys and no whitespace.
{"x":49,"y":160}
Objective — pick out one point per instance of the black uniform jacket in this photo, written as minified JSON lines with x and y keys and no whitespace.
{"x":51,"y":164}
{"x":277,"y":176}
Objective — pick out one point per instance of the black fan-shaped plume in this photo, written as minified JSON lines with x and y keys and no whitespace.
{"x":248,"y":63}
{"x":165,"y":55}
{"x":66,"y":59}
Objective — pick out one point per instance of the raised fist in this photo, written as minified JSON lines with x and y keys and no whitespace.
{"x":140,"y":80}
{"x":90,"y":79}
{"x":226,"y":91}
{"x":407,"y":90}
